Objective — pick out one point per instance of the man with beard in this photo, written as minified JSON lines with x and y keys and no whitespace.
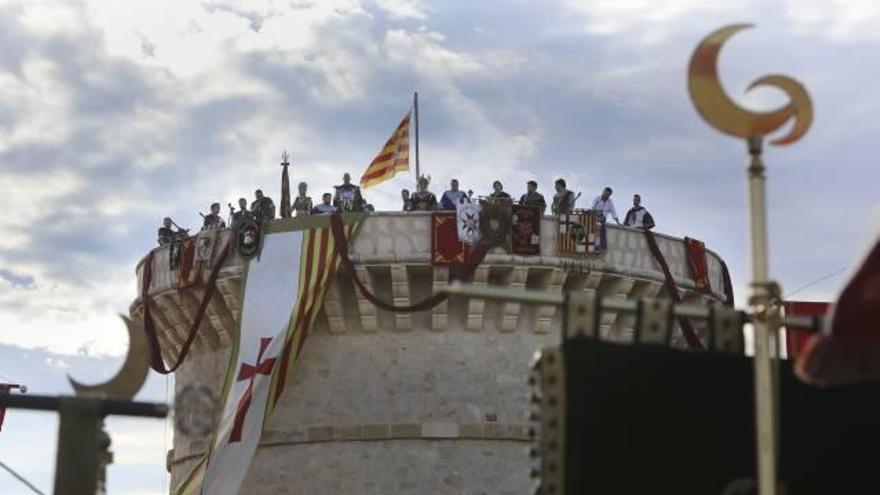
{"x":638,"y":216}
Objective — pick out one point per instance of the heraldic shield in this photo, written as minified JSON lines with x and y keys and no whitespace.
{"x":495,"y":225}
{"x":579,"y":234}
{"x":248,"y":237}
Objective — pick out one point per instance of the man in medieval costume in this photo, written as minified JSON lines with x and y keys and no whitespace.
{"x":213,"y":220}
{"x":638,"y":216}
{"x":563,"y":200}
{"x":450,"y":198}
{"x":325,"y":207}
{"x":241,"y":215}
{"x":498,"y":195}
{"x":262,"y":208}
{"x":423,"y":199}
{"x":532,"y":197}
{"x":348,"y":196}
{"x":302,"y":205}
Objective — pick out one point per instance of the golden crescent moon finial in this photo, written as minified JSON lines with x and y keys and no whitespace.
{"x":130,"y":378}
{"x":724,"y":114}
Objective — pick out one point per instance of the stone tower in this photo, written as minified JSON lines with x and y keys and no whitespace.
{"x":430,"y":402}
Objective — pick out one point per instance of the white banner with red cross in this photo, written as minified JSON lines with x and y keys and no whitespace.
{"x":271,"y":292}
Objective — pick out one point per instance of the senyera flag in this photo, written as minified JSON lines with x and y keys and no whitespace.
{"x":393,"y":158}
{"x":284,"y":289}
{"x":848,"y":348}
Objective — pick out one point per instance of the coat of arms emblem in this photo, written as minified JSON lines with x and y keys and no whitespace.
{"x":248,"y":237}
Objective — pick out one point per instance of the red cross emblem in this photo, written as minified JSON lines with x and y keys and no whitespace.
{"x":249,"y":372}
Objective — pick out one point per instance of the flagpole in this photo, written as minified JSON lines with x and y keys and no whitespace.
{"x":416,"y":111}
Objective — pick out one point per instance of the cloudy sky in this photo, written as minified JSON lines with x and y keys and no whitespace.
{"x":114,"y":114}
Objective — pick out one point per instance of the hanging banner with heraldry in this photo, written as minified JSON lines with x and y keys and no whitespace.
{"x":526,"y":234}
{"x":468,"y":216}
{"x":248,"y":237}
{"x":579,"y":234}
{"x":495,"y":225}
{"x":446,"y":246}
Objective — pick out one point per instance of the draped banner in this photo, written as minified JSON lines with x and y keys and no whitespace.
{"x":495,"y":225}
{"x":188,"y":275}
{"x":446,"y":248}
{"x":526,"y":230}
{"x":696,"y":256}
{"x":690,"y":335}
{"x":283,"y":292}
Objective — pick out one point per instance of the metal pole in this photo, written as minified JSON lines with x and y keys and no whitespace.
{"x":416,"y":111}
{"x":765,"y":326}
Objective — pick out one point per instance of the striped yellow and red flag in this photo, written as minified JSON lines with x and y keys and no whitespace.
{"x":393,"y":158}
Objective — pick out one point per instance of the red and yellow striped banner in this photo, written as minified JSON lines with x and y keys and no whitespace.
{"x":320,"y":260}
{"x":393,"y":158}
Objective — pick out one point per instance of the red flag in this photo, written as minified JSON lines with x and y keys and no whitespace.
{"x":848,"y":349}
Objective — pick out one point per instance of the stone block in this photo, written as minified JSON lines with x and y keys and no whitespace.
{"x":440,"y":430}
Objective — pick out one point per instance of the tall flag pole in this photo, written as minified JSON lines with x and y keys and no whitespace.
{"x":285,"y":186}
{"x":392,"y":158}
{"x":722,"y":113}
{"x":416,"y":111}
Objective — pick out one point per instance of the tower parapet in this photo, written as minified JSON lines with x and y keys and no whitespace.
{"x":427,"y":402}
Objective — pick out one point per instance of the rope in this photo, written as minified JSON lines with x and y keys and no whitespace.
{"x":21,"y":478}
{"x":465,"y":273}
{"x":686,"y":329}
{"x":814,"y":282}
{"x":156,"y":360}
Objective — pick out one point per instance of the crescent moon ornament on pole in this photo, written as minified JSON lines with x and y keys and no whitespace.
{"x":126,"y":383}
{"x":724,"y":114}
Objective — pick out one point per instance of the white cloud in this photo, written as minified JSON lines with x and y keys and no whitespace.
{"x":839,"y":20}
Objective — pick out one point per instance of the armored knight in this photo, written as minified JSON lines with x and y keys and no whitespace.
{"x":422,"y":199}
{"x":348,"y":196}
{"x":262,"y":208}
{"x":303,"y":203}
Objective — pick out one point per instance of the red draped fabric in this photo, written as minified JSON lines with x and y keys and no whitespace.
{"x":696,"y":256}
{"x":446,"y":249}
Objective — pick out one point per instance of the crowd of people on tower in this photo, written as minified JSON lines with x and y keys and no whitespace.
{"x":348,"y":198}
